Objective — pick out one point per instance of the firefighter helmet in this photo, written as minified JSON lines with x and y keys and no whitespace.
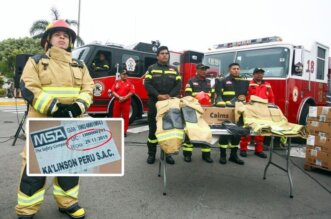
{"x":203,"y":98}
{"x":58,"y":25}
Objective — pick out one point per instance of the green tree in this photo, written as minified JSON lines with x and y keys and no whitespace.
{"x":38,"y":27}
{"x":9,"y":48}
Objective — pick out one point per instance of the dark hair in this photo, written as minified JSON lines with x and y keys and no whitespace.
{"x":233,"y":64}
{"x":161,"y":48}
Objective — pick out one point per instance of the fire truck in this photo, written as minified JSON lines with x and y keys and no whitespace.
{"x":299,"y":77}
{"x":136,"y":58}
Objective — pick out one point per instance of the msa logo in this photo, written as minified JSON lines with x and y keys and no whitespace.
{"x":48,"y":137}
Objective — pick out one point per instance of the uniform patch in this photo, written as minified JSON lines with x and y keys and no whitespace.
{"x":195,"y":83}
{"x":188,"y":85}
{"x":228,"y":82}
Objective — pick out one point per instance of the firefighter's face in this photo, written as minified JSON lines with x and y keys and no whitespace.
{"x":124,"y":76}
{"x":258,"y":76}
{"x":234,"y":71}
{"x":163,"y":56}
{"x":60,"y":39}
{"x":201,"y":72}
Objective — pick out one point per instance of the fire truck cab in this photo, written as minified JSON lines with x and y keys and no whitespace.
{"x":137,"y":59}
{"x":298,"y":76}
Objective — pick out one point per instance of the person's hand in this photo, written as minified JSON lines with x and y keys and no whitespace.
{"x":163,"y":97}
{"x":121,"y":99}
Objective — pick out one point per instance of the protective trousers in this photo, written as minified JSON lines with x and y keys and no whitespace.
{"x":228,"y":141}
{"x":244,"y":141}
{"x":188,"y":147}
{"x":151,"y":117}
{"x":122,"y":109}
{"x":31,"y":191}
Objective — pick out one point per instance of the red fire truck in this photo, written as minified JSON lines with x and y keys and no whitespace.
{"x":137,"y":59}
{"x":298,"y":77}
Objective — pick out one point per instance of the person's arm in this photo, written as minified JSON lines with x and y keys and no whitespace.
{"x":31,"y":87}
{"x":176,"y":90}
{"x":152,"y":92}
{"x":131,"y":92}
{"x":218,"y":93}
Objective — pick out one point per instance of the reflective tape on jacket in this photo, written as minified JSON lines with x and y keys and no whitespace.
{"x":170,"y":72}
{"x":156,"y":71}
{"x":152,"y":141}
{"x":24,"y":200}
{"x":188,"y":89}
{"x":178,"y":78}
{"x":42,"y":102}
{"x":223,"y":145}
{"x":205,"y":150}
{"x":229,"y":93}
{"x":188,"y":145}
{"x":148,"y":76}
{"x":187,"y":149}
{"x":62,"y":91}
{"x":166,"y":135}
{"x":58,"y":191}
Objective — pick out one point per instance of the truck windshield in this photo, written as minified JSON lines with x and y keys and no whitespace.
{"x":275,"y":61}
{"x":80,"y":53}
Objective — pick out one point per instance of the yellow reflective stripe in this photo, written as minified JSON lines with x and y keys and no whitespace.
{"x":223,"y":145}
{"x":148,"y":76}
{"x":209,"y":94}
{"x":170,"y":72}
{"x":41,"y":102}
{"x":228,"y":93}
{"x":156,"y":71}
{"x":221,"y":102}
{"x":222,"y":90}
{"x":283,"y":140}
{"x":152,"y":141}
{"x":188,"y":145}
{"x":79,"y":213}
{"x":233,"y":146}
{"x":85,"y":97}
{"x":71,"y":192}
{"x":187,"y":149}
{"x":228,"y":102}
{"x":24,"y":200}
{"x":263,"y":122}
{"x":178,"y":78}
{"x":106,"y":66}
{"x":170,"y":135}
{"x":205,"y":149}
{"x":213,"y":90}
{"x":188,"y":89}
{"x":194,"y":93}
{"x":62,"y":91}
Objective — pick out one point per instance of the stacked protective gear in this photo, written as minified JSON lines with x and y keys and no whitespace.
{"x":54,"y":85}
{"x":264,"y":91}
{"x":169,"y":133}
{"x":228,"y":91}
{"x":264,"y":119}
{"x":159,"y":79}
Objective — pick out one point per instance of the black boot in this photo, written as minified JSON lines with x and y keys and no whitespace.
{"x":170,"y":160}
{"x":234,"y":157}
{"x":206,"y":157}
{"x":223,"y":156}
{"x":243,"y":153}
{"x":187,"y":156}
{"x":151,"y":154}
{"x":25,"y":216}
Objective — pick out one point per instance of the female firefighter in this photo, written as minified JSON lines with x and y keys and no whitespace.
{"x":54,"y":85}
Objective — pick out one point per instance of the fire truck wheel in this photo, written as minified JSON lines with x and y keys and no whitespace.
{"x":304,"y":114}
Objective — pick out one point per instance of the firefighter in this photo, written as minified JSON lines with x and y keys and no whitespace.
{"x":162,"y":81}
{"x":101,"y":63}
{"x":229,"y":90}
{"x":193,"y":87}
{"x":122,"y":91}
{"x":54,"y":85}
{"x":260,"y":88}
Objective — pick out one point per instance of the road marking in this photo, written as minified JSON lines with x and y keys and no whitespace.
{"x":139,"y":129}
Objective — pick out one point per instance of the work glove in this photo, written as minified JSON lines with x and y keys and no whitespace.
{"x":67,"y":111}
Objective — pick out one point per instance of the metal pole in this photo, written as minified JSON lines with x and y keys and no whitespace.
{"x":78,"y":27}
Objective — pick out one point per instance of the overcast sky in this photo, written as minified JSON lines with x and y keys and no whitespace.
{"x":179,"y":24}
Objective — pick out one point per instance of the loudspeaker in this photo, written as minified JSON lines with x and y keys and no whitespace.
{"x":21,"y":60}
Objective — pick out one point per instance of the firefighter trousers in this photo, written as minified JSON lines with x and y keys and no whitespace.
{"x":151,"y":116}
{"x":31,"y":191}
{"x":188,"y":147}
{"x":122,"y":110}
{"x":228,"y":141}
{"x":244,"y":141}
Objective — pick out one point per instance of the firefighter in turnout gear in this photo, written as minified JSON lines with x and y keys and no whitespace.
{"x":260,"y":88}
{"x":193,"y":88}
{"x":54,"y":85}
{"x":229,"y":90}
{"x":162,"y":81}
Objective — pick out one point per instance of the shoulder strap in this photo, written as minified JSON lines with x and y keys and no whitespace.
{"x":38,"y":57}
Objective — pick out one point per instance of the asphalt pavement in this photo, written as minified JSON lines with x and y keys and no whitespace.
{"x":195,"y":190}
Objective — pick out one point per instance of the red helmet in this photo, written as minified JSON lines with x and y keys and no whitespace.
{"x":203,"y":98}
{"x":58,"y":25}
